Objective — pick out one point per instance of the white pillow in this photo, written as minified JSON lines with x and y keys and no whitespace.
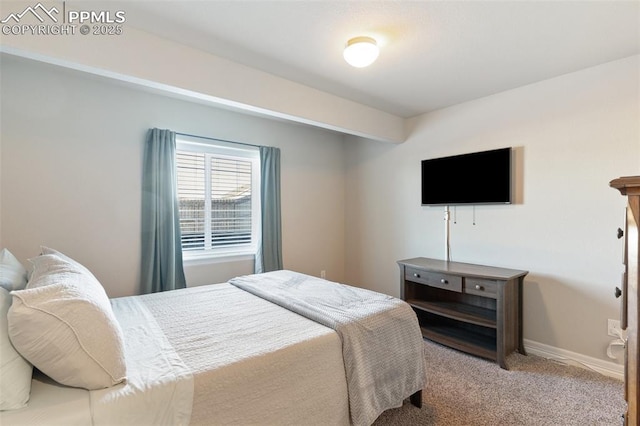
{"x":64,"y":325}
{"x":15,"y":371}
{"x":47,"y":250}
{"x":13,"y":276}
{"x":44,"y":267}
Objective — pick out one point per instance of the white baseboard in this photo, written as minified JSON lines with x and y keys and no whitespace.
{"x":607,"y":368}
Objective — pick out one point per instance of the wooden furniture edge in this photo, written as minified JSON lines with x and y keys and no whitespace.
{"x":463,"y":268}
{"x":627,"y":185}
{"x":416,"y":399}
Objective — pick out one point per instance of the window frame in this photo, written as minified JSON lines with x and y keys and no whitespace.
{"x":231,"y":151}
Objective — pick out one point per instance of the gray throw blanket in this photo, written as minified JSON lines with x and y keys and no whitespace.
{"x":381,"y":339}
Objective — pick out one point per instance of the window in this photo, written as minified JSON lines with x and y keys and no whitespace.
{"x":218,"y":197}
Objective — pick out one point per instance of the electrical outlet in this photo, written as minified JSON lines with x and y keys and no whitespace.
{"x":612,"y":327}
{"x":323,"y":274}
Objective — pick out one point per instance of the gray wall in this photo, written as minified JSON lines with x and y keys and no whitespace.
{"x":572,"y":134}
{"x":71,"y":173}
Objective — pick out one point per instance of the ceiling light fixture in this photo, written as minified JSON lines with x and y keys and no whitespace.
{"x":361,"y":52}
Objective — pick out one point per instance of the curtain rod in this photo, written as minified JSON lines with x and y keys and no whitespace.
{"x":218,"y":140}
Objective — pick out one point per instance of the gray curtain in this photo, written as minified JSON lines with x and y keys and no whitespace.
{"x":269,"y":255}
{"x":161,"y":247}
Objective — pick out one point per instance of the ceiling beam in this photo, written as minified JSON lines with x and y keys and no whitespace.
{"x":144,"y":59}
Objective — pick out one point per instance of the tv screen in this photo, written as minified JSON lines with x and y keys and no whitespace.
{"x":476,"y":178}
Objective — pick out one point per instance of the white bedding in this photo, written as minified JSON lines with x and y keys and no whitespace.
{"x":51,"y":404}
{"x":227,"y":357}
{"x":159,"y":388}
{"x":253,"y":362}
{"x":382,"y":344}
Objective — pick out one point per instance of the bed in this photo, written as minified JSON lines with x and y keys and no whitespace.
{"x":220,"y":354}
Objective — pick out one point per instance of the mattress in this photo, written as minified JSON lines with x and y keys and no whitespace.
{"x":207,"y":355}
{"x":51,"y":404}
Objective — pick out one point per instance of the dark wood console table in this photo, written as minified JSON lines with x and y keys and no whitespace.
{"x":473,"y":308}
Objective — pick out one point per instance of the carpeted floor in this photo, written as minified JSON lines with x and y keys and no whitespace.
{"x":464,"y":390}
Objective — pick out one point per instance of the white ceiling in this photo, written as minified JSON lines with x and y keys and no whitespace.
{"x":433,"y":53}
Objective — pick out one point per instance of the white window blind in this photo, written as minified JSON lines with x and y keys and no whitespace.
{"x":215,"y":196}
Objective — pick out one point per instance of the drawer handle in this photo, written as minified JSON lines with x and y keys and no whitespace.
{"x":479,"y":287}
{"x":618,"y":292}
{"x":443,"y":281}
{"x":416,"y":275}
{"x":620,"y":233}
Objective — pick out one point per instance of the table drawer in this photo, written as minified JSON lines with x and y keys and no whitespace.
{"x":434,"y":279}
{"x":480,"y":287}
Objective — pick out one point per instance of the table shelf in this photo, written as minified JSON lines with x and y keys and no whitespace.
{"x":458,"y":311}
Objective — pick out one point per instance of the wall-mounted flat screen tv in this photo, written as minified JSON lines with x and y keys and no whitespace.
{"x":475,"y":178}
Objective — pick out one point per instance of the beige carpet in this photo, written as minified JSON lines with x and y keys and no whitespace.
{"x":465,"y":390}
